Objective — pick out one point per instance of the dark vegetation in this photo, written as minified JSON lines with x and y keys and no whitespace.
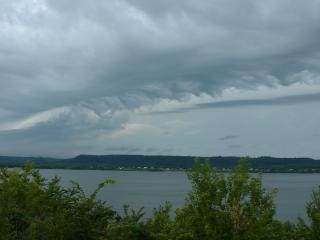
{"x":219,"y":207}
{"x":136,"y":162}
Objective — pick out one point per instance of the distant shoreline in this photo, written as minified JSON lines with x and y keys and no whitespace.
{"x":164,"y":163}
{"x":161,"y":170}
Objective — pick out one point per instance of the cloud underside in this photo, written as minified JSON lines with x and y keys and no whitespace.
{"x":83,"y":76}
{"x":263,"y":102}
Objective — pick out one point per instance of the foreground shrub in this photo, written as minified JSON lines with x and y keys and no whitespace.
{"x":219,"y":207}
{"x":34,"y":208}
{"x":232,"y":207}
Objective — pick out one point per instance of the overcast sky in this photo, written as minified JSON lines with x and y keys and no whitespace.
{"x":189,"y":77}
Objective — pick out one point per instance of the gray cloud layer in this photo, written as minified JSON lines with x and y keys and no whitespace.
{"x":103,"y":59}
{"x":59,"y":52}
{"x":228,"y":137}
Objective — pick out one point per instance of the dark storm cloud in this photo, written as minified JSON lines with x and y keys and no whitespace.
{"x":114,"y":56}
{"x":55,"y":53}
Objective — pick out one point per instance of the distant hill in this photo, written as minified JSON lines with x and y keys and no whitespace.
{"x":8,"y":161}
{"x":138,"y":162}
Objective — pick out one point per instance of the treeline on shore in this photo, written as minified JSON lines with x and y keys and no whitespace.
{"x":219,"y":207}
{"x":156,"y":163}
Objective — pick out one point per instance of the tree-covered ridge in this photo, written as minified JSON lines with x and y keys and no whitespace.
{"x":233,"y":207}
{"x":147,"y":162}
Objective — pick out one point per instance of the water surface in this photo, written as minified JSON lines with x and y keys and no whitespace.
{"x":150,"y":189}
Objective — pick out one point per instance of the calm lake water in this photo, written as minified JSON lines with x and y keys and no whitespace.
{"x":150,"y":189}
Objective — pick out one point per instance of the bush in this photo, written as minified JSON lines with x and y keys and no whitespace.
{"x":34,"y":208}
{"x":219,"y":207}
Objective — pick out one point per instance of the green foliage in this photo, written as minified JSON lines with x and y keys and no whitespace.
{"x":219,"y":207}
{"x":128,"y":227}
{"x":232,"y":207}
{"x":33,"y":208}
